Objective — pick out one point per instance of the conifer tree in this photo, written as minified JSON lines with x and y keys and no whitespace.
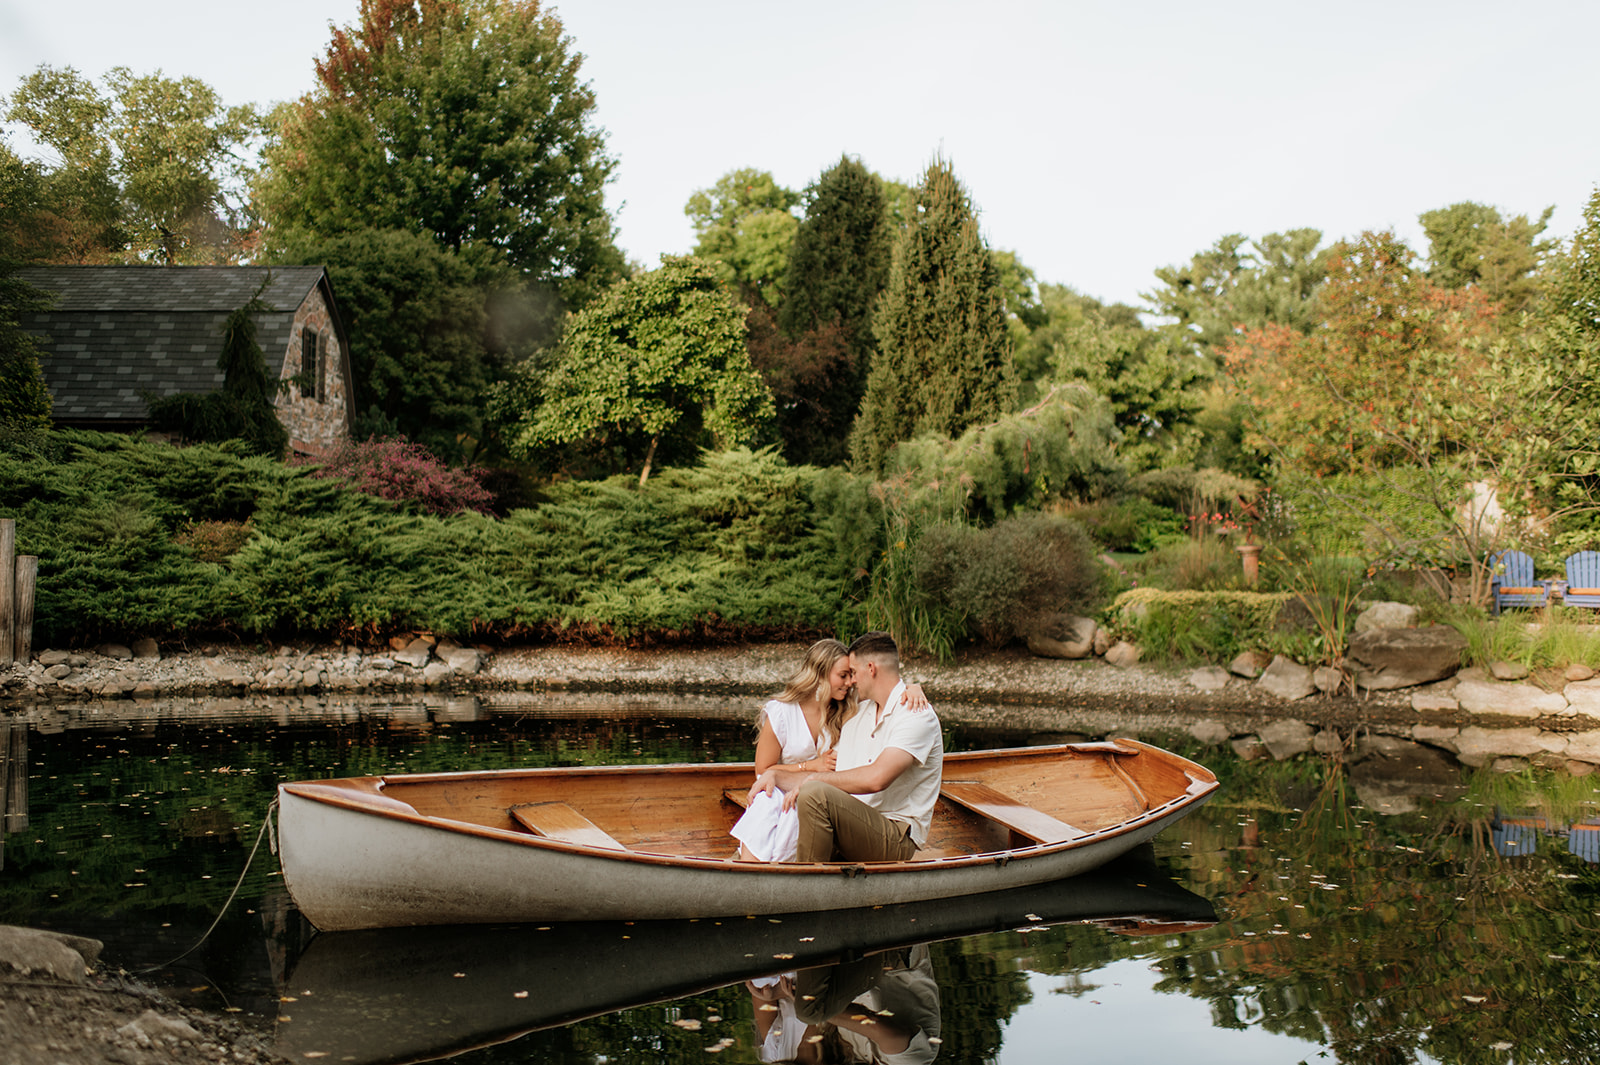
{"x":817,"y":361}
{"x":944,"y":352}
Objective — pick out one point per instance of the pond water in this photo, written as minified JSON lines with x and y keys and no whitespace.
{"x":1306,"y":914}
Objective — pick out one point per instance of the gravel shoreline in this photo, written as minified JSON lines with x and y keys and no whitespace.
{"x":1010,"y":677}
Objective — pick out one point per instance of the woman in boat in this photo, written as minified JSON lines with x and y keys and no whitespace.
{"x":799,"y":728}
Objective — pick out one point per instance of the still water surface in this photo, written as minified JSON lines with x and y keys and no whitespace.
{"x":1307,"y":914}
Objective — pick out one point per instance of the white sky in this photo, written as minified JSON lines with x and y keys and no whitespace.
{"x":1099,"y":140}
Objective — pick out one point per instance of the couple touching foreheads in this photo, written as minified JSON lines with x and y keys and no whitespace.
{"x":838,"y":781}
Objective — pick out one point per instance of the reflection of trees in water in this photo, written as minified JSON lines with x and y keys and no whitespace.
{"x":1385,"y":937}
{"x":979,"y":990}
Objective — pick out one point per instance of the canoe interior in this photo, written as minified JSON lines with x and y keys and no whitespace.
{"x":681,"y":810}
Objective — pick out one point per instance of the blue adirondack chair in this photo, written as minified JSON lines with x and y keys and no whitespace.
{"x":1583,"y":579}
{"x":1513,"y":583}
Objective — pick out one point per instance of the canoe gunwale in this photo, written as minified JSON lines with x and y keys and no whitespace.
{"x":365,"y":795}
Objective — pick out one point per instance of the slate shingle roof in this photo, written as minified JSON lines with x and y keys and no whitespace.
{"x":115,"y":333}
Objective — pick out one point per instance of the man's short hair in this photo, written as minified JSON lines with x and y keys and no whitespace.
{"x":879,"y":645}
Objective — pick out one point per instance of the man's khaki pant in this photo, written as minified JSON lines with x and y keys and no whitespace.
{"x":838,"y":827}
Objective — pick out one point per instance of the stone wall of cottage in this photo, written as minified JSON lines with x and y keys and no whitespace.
{"x":316,"y":425}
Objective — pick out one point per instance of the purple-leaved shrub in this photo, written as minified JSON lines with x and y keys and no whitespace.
{"x":397,"y":469}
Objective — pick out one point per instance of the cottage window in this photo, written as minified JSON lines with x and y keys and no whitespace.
{"x":311,"y":364}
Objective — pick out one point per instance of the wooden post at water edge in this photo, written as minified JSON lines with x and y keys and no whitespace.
{"x":26,"y":589}
{"x":8,"y":590}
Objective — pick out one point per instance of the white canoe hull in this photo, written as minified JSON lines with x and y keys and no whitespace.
{"x":349,"y":865}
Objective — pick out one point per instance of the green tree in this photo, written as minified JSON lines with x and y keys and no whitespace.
{"x":660,"y":354}
{"x":745,"y":224}
{"x":24,"y":400}
{"x":944,"y":351}
{"x":816,"y":360}
{"x":464,"y":119}
{"x":151,"y":168}
{"x":1239,"y":284}
{"x":1471,"y":244}
{"x":1154,"y":386}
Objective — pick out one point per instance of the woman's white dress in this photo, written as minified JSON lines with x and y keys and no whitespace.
{"x":767,"y":832}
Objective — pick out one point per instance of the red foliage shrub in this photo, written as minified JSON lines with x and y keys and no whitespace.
{"x":400,"y":470}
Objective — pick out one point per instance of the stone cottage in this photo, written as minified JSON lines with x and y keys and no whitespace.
{"x":117,"y":334}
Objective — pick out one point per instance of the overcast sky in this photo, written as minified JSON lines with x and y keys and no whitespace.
{"x":1098,"y":140}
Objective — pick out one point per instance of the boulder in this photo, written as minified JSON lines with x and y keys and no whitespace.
{"x":435,"y":673}
{"x":48,"y":955}
{"x":1508,"y":671}
{"x":415,"y":654}
{"x":1102,"y":641}
{"x":1386,"y":659}
{"x":1287,"y":679}
{"x":145,"y":647}
{"x":59,"y":671}
{"x":1327,"y":679}
{"x":152,"y":1030}
{"x":1063,"y":636}
{"x":1122,"y":654}
{"x":114,"y":650}
{"x":1287,"y":739}
{"x":1433,"y":698}
{"x":1508,"y":700}
{"x":1209,"y":679}
{"x":1481,"y":746}
{"x":1386,"y":616}
{"x":1583,"y":696}
{"x":464,"y":661}
{"x":1579,"y":671}
{"x":1249,"y":664}
{"x":52,"y":658}
{"x":223,"y":672}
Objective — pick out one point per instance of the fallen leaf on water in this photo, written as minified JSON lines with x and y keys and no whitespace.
{"x":719,"y":1046}
{"x":813,"y":1039}
{"x":519,"y":994}
{"x":808,"y":939}
{"x":1475,"y":999}
{"x":688,"y":1024}
{"x":1501,"y":1046}
{"x":1031,"y":917}
{"x":767,"y":1007}
{"x":458,"y":975}
{"x":935,"y":1040}
{"x":315,"y":1054}
{"x":785,"y":956}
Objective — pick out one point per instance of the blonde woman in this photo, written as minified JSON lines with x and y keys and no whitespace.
{"x":799,"y":728}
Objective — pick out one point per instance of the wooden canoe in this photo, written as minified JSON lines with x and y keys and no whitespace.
{"x":390,"y":996}
{"x":651,"y":842}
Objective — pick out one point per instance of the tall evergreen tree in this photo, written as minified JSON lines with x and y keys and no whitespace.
{"x":816,"y":362}
{"x":944,"y":351}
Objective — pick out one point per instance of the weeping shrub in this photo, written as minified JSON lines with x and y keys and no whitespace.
{"x":1001,"y":579}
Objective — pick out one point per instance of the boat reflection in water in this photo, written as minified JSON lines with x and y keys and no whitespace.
{"x":416,"y":994}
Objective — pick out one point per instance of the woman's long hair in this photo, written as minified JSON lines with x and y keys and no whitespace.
{"x":810,"y":680}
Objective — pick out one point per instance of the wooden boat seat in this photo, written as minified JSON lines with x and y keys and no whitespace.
{"x":557,"y":820}
{"x":1001,"y":808}
{"x":740,"y":797}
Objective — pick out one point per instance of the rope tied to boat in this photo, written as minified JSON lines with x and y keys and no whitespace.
{"x":266,"y":822}
{"x":852,"y":871}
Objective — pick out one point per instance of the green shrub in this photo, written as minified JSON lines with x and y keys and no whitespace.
{"x":213,"y":541}
{"x":1132,"y":523}
{"x":1191,"y":626}
{"x":1208,"y":564}
{"x":1001,"y":578}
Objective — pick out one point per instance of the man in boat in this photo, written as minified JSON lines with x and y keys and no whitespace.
{"x":877,"y":805}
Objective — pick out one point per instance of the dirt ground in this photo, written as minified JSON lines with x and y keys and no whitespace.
{"x":106,"y":1023}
